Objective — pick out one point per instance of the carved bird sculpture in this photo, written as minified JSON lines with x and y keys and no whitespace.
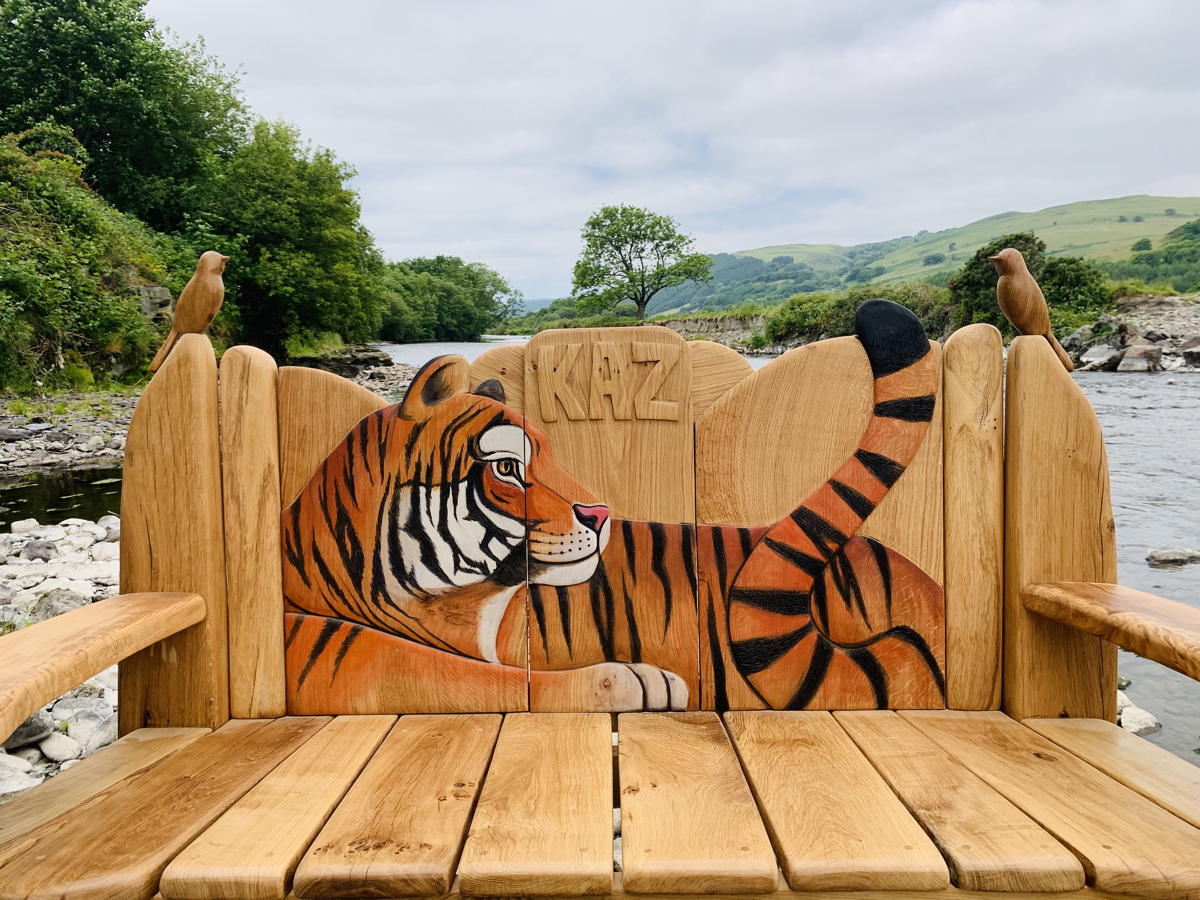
{"x":197,"y":304}
{"x":1022,"y":301}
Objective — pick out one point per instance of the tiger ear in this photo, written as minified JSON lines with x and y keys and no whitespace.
{"x":491,"y":388}
{"x":440,"y":378}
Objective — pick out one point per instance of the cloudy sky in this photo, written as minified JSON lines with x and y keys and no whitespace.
{"x":490,"y":130}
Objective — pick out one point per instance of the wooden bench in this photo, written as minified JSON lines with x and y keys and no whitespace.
{"x":844,"y":626}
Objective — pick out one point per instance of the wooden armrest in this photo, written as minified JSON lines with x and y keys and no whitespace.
{"x":46,"y":659}
{"x":1154,"y":627}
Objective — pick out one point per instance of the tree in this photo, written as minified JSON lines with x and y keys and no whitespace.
{"x":444,"y":298}
{"x":630,"y":254}
{"x":973,"y":288}
{"x":933,"y":259}
{"x":1073,"y":284}
{"x":155,"y":117}
{"x":1143,"y":244}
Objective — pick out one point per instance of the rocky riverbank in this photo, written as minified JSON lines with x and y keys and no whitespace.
{"x":87,"y":431}
{"x":1147,"y":333}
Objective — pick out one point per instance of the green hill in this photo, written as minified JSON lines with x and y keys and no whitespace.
{"x":1093,"y":229}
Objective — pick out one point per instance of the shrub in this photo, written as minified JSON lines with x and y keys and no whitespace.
{"x":934,"y":259}
{"x":1143,"y":244}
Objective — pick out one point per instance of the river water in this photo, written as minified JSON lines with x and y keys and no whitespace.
{"x":1151,"y":429}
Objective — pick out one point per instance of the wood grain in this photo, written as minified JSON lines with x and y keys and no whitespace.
{"x":1058,"y":527}
{"x":1126,"y":843}
{"x":116,"y":845}
{"x":251,"y":851}
{"x":134,"y":753}
{"x":616,"y":406}
{"x":316,"y":411}
{"x":1154,"y":627}
{"x":250,"y":487}
{"x":1138,"y":764}
{"x":834,"y":822}
{"x":688,"y":820}
{"x":399,"y":829}
{"x":544,"y":820}
{"x":715,"y":369}
{"x":171,"y":540}
{"x":48,"y":658}
{"x":974,"y":516}
{"x":506,"y":364}
{"x":990,"y":844}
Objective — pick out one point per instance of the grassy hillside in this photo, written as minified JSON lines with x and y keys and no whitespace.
{"x":1092,"y":229}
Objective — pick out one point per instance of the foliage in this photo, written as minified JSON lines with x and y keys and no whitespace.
{"x":740,"y":279}
{"x":1175,"y":262}
{"x":973,"y":288}
{"x":444,"y":299}
{"x":70,"y":265}
{"x":155,"y":117}
{"x":807,"y":317}
{"x":1143,"y":244}
{"x":933,"y":259}
{"x":630,"y":254}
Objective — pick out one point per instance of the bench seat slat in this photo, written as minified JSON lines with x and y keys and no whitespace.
{"x":251,"y":851}
{"x":133,"y":753}
{"x":1127,"y":843}
{"x":835,"y":823}
{"x":399,"y":829}
{"x":688,"y":820}
{"x":544,"y":820}
{"x":1138,"y":764}
{"x":990,"y":844}
{"x":115,"y":845}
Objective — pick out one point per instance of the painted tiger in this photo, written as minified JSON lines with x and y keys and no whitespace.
{"x":446,"y":522}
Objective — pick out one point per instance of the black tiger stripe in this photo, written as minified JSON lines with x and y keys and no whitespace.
{"x":350,"y":638}
{"x":603,"y":625}
{"x":824,"y":536}
{"x":291,"y":546}
{"x":564,"y":615}
{"x":801,"y":560}
{"x":774,"y":600}
{"x":886,"y":471}
{"x":718,"y":552}
{"x":328,"y":627}
{"x":630,"y":545}
{"x":745,"y":541}
{"x":911,"y":637}
{"x":689,"y":563}
{"x":874,"y":672}
{"x":635,"y":638}
{"x":721,"y":700}
{"x":755,"y":655}
{"x":658,"y":549}
{"x":818,"y":665}
{"x":859,"y":505}
{"x":885,"y":571}
{"x":292,"y":632}
{"x":907,"y":409}
{"x":539,"y":613}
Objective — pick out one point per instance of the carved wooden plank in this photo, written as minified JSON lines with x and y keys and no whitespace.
{"x":1126,"y":843}
{"x":50,"y":657}
{"x":834,"y":822}
{"x":616,"y":406}
{"x":974,"y":515}
{"x":1058,"y":527}
{"x":544,"y":820}
{"x":990,"y":844}
{"x":316,"y":411}
{"x":1154,"y":627}
{"x":172,"y":541}
{"x":399,"y":829}
{"x":688,"y":821}
{"x":715,"y":369}
{"x":252,"y":850}
{"x":1138,"y":764}
{"x":134,"y":753}
{"x":506,"y":364}
{"x":250,"y":484}
{"x":116,"y":845}
{"x":339,"y":668}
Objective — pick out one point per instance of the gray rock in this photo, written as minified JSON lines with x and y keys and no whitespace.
{"x":15,"y":782}
{"x":24,"y":526}
{"x":36,"y":549}
{"x":92,"y":730}
{"x":1190,"y":343}
{"x":14,"y":763}
{"x":31,"y":755}
{"x":30,"y":731}
{"x":38,"y":426}
{"x":111,"y":526}
{"x":1101,"y":358}
{"x":59,"y":747}
{"x":64,"y":709}
{"x":1191,"y":356}
{"x":1133,"y":718}
{"x":54,"y":603}
{"x":1122,"y":682}
{"x":49,"y":533}
{"x":1141,"y":358}
{"x":106,"y":551}
{"x":12,"y":434}
{"x":1173,"y":557}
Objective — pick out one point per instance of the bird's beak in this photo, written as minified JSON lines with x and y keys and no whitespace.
{"x":994,"y":258}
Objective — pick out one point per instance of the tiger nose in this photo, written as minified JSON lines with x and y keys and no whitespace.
{"x":592,"y":517}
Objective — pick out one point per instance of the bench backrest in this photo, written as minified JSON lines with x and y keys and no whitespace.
{"x":684,"y":435}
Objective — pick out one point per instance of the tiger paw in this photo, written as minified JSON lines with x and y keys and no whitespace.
{"x":609,"y":687}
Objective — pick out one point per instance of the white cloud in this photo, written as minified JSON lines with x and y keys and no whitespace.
{"x":491,"y":130}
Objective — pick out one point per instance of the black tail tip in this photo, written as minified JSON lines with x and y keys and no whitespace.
{"x":893,"y":337}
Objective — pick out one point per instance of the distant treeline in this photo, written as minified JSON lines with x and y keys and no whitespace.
{"x":124,"y":156}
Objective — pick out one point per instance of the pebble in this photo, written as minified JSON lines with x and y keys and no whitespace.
{"x":1133,"y":718}
{"x":14,"y":763}
{"x":59,"y":747}
{"x":30,"y":731}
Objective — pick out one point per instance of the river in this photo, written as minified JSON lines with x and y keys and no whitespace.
{"x":1152,"y":431}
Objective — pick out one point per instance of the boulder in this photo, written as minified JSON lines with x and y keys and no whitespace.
{"x":64,"y":709}
{"x":1134,"y":718}
{"x":14,"y":763}
{"x":37,"y":549}
{"x":1141,"y":358}
{"x":1174,"y":557}
{"x":31,"y":755}
{"x":23,"y":526}
{"x":15,"y":782}
{"x":111,"y":526}
{"x":1101,"y":358}
{"x":30,"y":731}
{"x":54,"y":603}
{"x":49,"y":533}
{"x":106,"y":551}
{"x":92,"y":730}
{"x":59,"y":747}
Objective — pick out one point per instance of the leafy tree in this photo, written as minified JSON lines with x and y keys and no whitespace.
{"x":973,"y":288}
{"x":301,"y":262}
{"x":1176,"y":262}
{"x":630,"y":254}
{"x":155,"y":117}
{"x":1075,"y":291}
{"x":933,"y":259}
{"x":1143,"y":244}
{"x":444,"y":298}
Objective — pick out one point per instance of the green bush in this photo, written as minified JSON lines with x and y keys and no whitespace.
{"x":934,"y":259}
{"x":1143,"y":244}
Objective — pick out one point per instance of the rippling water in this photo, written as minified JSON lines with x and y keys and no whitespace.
{"x":1152,"y":431}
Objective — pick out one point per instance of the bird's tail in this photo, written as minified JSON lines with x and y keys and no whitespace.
{"x":161,"y":356}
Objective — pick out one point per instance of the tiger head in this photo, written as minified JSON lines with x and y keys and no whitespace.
{"x":432,"y":512}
